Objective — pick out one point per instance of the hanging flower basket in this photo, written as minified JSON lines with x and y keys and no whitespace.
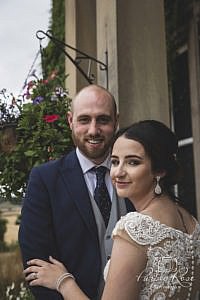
{"x":40,"y":134}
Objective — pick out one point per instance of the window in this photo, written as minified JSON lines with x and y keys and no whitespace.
{"x":181,"y":112}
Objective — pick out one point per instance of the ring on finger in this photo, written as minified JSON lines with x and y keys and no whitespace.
{"x":35,"y":276}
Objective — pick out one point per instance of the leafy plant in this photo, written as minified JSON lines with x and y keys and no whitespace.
{"x":42,"y":134}
{"x":9,"y":109}
{"x":51,"y":55}
{"x":21,"y":292}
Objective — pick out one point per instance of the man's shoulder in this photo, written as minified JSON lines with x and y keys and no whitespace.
{"x":52,"y":165}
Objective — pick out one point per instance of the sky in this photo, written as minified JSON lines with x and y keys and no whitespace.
{"x":19,"y":22}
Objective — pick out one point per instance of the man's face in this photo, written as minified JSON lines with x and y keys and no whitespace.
{"x":93,"y":123}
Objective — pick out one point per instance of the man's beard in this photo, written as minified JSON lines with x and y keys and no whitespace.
{"x":92,"y":154}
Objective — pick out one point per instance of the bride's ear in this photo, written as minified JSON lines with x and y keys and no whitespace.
{"x":161,"y":174}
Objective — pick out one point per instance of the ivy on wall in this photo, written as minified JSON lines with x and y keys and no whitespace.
{"x":52,"y":57}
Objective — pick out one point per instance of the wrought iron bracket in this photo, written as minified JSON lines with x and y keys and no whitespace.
{"x":89,"y":76}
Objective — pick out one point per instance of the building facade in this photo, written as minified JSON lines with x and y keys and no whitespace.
{"x":129,"y":37}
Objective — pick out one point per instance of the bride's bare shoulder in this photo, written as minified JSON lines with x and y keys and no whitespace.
{"x":171,"y":214}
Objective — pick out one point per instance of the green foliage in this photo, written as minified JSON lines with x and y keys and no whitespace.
{"x":52,"y":56}
{"x":42,"y":134}
{"x":8,"y":108}
{"x":18,"y":291}
{"x":38,"y":139}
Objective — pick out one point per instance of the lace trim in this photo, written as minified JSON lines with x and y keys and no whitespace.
{"x":144,"y":230}
{"x":172,"y":256}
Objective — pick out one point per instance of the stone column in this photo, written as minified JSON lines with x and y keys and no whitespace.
{"x":80,"y":32}
{"x":133,"y":32}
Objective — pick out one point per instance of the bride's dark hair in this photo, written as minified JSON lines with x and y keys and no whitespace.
{"x":161,"y":146}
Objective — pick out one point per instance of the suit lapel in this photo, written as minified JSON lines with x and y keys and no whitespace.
{"x":76,"y":187}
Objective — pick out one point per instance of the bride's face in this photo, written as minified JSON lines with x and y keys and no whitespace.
{"x":131,"y":170}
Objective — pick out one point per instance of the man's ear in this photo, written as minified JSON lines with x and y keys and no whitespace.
{"x":117,"y":122}
{"x":69,"y":118}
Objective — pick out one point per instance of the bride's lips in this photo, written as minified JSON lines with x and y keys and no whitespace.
{"x":122,"y":184}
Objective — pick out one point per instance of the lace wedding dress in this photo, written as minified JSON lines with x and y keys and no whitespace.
{"x":173,"y":257}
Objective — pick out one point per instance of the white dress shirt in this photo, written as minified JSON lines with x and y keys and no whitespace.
{"x":90,"y":177}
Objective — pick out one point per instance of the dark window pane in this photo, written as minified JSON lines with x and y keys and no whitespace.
{"x":181,"y":97}
{"x":186,"y":189}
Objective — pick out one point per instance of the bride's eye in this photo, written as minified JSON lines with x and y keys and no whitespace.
{"x":134,"y":162}
{"x":114,"y":162}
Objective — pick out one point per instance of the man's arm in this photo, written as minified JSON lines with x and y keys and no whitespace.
{"x":36,"y":234}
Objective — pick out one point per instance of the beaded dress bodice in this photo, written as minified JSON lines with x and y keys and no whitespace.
{"x":173,"y":258}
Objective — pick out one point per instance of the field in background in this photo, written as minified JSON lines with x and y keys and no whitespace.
{"x":11,"y":275}
{"x":11,"y":267}
{"x":10,"y":262}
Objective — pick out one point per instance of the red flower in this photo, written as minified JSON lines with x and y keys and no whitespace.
{"x":51,"y":118}
{"x":45,"y":81}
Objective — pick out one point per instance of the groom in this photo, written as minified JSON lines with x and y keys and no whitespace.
{"x":60,"y":216}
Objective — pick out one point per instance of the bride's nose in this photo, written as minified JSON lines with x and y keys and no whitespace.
{"x":120,"y":171}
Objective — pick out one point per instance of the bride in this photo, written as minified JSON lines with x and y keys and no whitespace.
{"x":156,"y":250}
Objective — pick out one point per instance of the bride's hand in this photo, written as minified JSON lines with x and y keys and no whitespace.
{"x":44,"y":273}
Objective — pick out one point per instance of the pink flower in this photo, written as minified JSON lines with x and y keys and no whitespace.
{"x":51,"y":118}
{"x":45,"y":81}
{"x":30,"y":84}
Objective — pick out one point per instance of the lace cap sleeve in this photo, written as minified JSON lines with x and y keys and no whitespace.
{"x":142,"y":229}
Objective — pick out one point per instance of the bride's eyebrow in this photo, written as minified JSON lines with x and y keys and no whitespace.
{"x":114,"y":156}
{"x":128,"y":156}
{"x":134,"y":156}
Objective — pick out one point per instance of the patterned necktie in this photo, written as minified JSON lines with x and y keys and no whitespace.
{"x":101,"y":194}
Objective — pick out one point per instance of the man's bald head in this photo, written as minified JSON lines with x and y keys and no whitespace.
{"x":96,"y":89}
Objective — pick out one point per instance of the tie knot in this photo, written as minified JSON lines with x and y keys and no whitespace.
{"x":100,"y":171}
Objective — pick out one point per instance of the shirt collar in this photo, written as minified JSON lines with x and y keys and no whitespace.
{"x":87,"y":164}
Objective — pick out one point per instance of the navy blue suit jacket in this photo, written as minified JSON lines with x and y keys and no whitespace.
{"x":58,"y":220}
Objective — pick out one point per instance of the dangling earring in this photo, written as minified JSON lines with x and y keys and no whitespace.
{"x":158,"y":190}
